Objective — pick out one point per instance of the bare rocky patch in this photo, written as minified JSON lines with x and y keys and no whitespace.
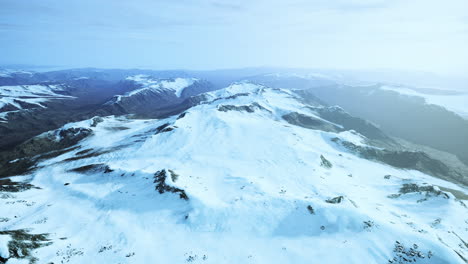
{"x":335,"y":200}
{"x":23,"y":243}
{"x":164,"y":128}
{"x":7,"y":185}
{"x":93,"y":168}
{"x":426,"y":190}
{"x":404,"y":255}
{"x":310,"y":122}
{"x":23,"y":157}
{"x":160,"y":178}
{"x":325,"y":163}
{"x":242,"y":108}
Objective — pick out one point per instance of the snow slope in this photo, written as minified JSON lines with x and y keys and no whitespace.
{"x":5,"y":73}
{"x":241,"y":185}
{"x":457,"y":103}
{"x":150,"y":84}
{"x":16,"y":97}
{"x":4,"y":240}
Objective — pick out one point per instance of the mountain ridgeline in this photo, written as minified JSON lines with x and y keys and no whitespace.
{"x":130,"y":166}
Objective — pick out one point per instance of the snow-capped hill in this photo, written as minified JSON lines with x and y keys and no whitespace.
{"x":237,"y":88}
{"x":150,"y":84}
{"x":248,"y":175}
{"x":15,"y":77}
{"x":5,"y":73}
{"x":19,"y":97}
{"x":151,"y":95}
{"x":40,"y":90}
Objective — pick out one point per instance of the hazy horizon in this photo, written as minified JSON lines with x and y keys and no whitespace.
{"x":428,"y":36}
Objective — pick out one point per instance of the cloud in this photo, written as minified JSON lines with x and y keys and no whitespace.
{"x":416,"y":34}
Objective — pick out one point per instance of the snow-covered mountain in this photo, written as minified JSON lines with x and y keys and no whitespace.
{"x":149,"y":84}
{"x":249,"y":174}
{"x":19,"y":97}
{"x":153,"y":94}
{"x":32,"y":103}
{"x":457,"y":102}
{"x":6,"y":73}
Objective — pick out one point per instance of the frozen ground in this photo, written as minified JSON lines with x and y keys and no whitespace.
{"x":239,"y":185}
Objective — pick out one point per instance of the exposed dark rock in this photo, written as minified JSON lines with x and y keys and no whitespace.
{"x":89,"y":155}
{"x":335,"y":200}
{"x":182,"y":115}
{"x":162,"y":187}
{"x":168,"y":129}
{"x":174,"y":176}
{"x":368,"y":225}
{"x":310,"y":122}
{"x":83,"y":152}
{"x":325,"y":163}
{"x":105,"y":248}
{"x":74,"y":133}
{"x":162,"y":127}
{"x":6,"y":185}
{"x":20,"y":167}
{"x":96,"y":120}
{"x":310,"y":209}
{"x":108,"y":170}
{"x":428,"y":190}
{"x":45,"y":146}
{"x":23,"y":243}
{"x":230,"y":97}
{"x":404,"y":255}
{"x":241,"y":108}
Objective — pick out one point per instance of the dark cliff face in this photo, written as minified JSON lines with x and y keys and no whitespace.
{"x":24,"y":156}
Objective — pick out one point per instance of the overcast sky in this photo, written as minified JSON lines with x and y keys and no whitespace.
{"x":429,"y":35}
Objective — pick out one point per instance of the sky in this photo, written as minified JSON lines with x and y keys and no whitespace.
{"x":416,"y":35}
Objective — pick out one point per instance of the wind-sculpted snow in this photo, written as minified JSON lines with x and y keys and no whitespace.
{"x":241,"y":185}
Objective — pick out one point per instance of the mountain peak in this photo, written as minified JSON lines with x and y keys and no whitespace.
{"x":152,"y":84}
{"x":269,"y":172}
